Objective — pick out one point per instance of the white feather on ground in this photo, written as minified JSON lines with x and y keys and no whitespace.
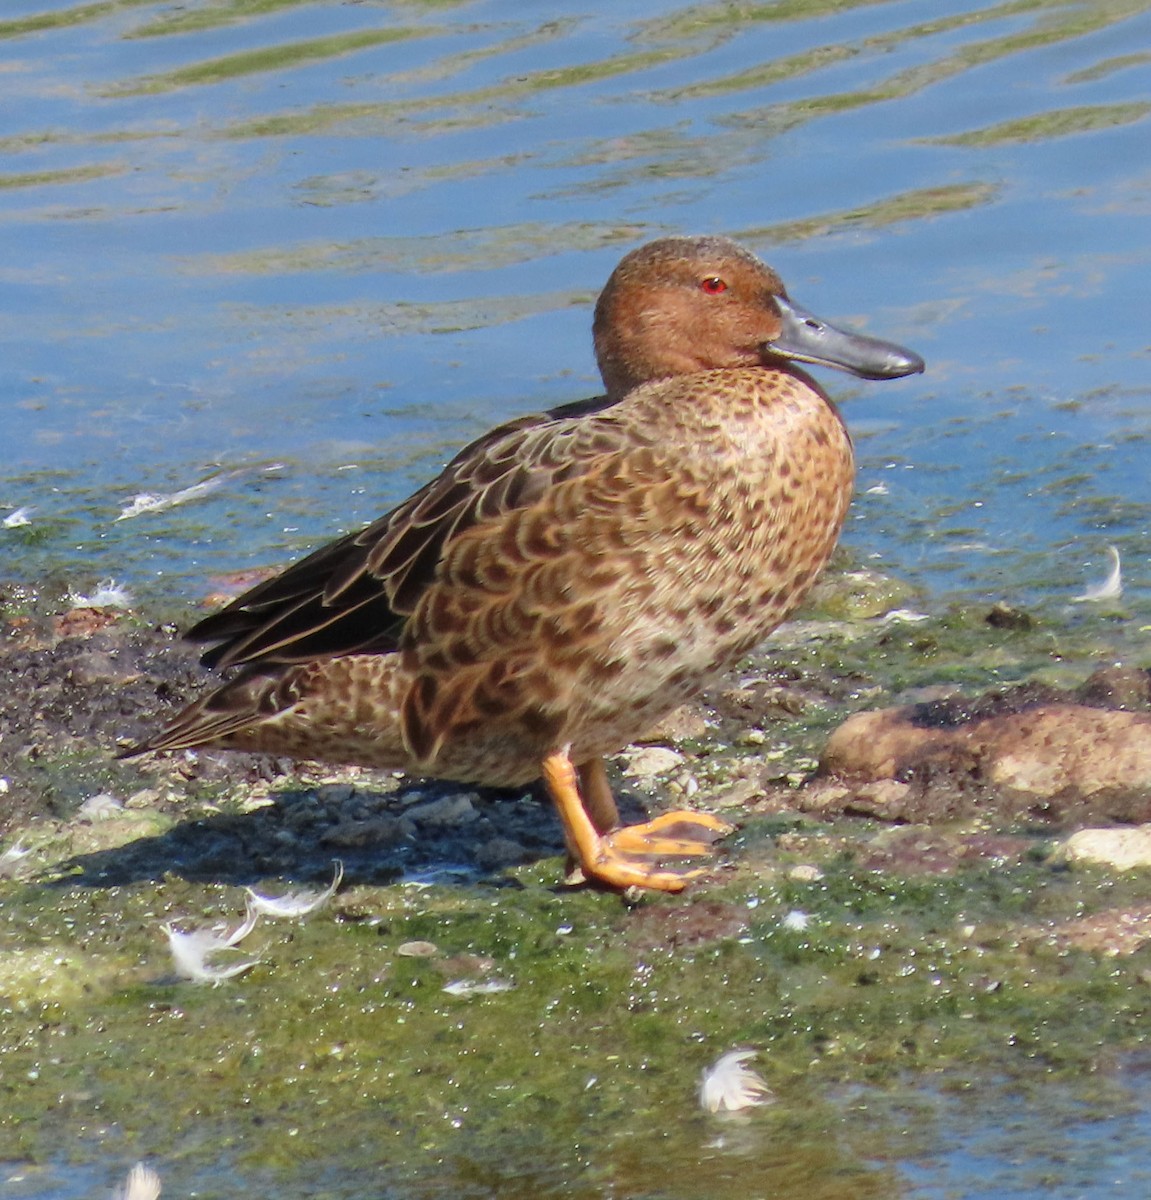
{"x":730,"y":1086}
{"x":191,"y":951}
{"x":294,"y":904}
{"x":1110,"y":588}
{"x":142,"y":1184}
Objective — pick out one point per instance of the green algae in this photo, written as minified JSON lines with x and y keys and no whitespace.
{"x":604,"y":1030}
{"x":912,"y":205}
{"x":268,"y":58}
{"x":211,"y":15}
{"x":786,"y":989}
{"x":443,"y":316}
{"x":80,"y":14}
{"x":219,"y":13}
{"x":1059,"y":23}
{"x":721,"y":19}
{"x":1052,"y":124}
{"x":480,"y":106}
{"x":1108,"y":66}
{"x":82,"y":174}
{"x":464,"y":249}
{"x":824,"y":945}
{"x":52,"y":976}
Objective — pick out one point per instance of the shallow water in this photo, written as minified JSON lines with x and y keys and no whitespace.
{"x":346,"y":238}
{"x":989,"y":1144}
{"x":994,"y":1141}
{"x":302,"y":251}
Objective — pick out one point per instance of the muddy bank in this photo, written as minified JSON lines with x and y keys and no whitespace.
{"x":801,"y":730}
{"x":848,"y":950}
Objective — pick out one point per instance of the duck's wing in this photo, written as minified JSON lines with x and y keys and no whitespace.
{"x":354,"y":595}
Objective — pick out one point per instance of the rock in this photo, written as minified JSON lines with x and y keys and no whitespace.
{"x":1028,"y":752}
{"x":819,"y":795}
{"x":418,"y":950}
{"x":1006,"y":616}
{"x":761,"y":701}
{"x":334,"y":794}
{"x":738,"y":794}
{"x":143,"y":798}
{"x":1118,"y":687}
{"x":805,"y":873}
{"x":644,"y":761}
{"x":859,"y":595}
{"x":380,"y":831}
{"x":102,"y":807}
{"x":448,"y":810}
{"x":500,"y":852}
{"x":880,"y":798}
{"x":1115,"y":932}
{"x":101,"y":668}
{"x":916,"y":851}
{"x":1122,"y":848}
{"x":80,"y":622}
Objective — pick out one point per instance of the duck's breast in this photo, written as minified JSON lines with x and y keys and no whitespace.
{"x":751,"y":495}
{"x":584,"y":616}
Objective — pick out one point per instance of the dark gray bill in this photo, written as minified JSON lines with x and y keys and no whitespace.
{"x":805,"y":338}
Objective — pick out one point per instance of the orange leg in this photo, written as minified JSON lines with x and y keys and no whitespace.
{"x":598,"y":802}
{"x":618,"y":857}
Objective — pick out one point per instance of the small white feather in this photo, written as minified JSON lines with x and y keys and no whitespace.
{"x":728,"y":1085}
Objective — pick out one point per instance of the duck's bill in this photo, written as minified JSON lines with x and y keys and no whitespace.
{"x":808,"y":339}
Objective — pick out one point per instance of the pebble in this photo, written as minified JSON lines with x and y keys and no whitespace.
{"x":418,"y":950}
{"x":381,"y":831}
{"x":335,"y":793}
{"x":645,"y":761}
{"x":100,"y":807}
{"x":500,"y":852}
{"x":805,"y":873}
{"x":450,"y":810}
{"x":145,"y":798}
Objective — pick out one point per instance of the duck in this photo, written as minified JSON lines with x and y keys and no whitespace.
{"x":572,"y":577}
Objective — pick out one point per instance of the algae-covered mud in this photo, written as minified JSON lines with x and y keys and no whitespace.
{"x":456,"y":1021}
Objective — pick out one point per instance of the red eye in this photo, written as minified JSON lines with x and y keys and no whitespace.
{"x":713,"y":285}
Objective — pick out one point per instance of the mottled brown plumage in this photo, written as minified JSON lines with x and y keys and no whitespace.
{"x":570,"y":577}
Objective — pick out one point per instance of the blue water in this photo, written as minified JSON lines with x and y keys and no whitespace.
{"x":351,"y":259}
{"x":990,"y":1144}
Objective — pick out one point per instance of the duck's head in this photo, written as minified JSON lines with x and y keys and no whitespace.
{"x":681,"y":305}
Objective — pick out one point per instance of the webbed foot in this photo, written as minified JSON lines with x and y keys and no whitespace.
{"x":630,"y":855}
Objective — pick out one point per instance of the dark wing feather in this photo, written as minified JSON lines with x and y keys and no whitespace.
{"x":354,"y":595}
